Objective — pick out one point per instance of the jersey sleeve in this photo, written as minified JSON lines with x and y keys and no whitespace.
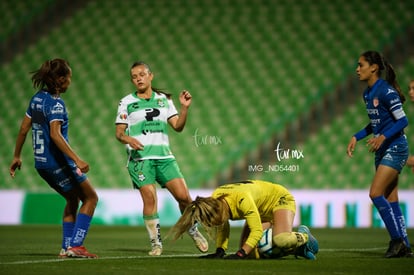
{"x":122,"y":114}
{"x":223,"y":235}
{"x":29,"y":110}
{"x":364,"y":132}
{"x":248,"y":207}
{"x":172,"y":111}
{"x":393,"y":103}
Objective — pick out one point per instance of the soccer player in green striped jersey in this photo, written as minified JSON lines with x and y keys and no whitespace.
{"x":141,"y":124}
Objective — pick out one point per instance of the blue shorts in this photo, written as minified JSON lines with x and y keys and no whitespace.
{"x":62,"y":179}
{"x":395,"y":156}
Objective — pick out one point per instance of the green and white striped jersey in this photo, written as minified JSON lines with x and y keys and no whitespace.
{"x":147,"y":121}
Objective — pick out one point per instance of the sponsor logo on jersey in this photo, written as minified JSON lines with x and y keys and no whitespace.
{"x":395,"y":100}
{"x":38,"y":99}
{"x":372,"y":112}
{"x":58,"y":109}
{"x":388,"y":156}
{"x":374,"y":122}
{"x":390,"y":91}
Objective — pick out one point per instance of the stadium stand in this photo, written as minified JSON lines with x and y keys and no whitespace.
{"x":255,"y":69}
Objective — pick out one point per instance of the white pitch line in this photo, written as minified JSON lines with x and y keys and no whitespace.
{"x":172,"y":256}
{"x":101,"y":258}
{"x":352,"y":249}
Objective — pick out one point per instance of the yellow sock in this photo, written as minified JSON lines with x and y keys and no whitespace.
{"x":290,"y":240}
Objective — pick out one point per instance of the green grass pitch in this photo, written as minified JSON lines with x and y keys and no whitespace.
{"x":33,"y":249}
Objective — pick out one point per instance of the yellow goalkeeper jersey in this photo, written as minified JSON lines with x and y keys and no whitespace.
{"x":253,"y":201}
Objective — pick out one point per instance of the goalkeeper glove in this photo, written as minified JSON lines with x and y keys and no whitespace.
{"x":219,"y":254}
{"x":239,"y":255}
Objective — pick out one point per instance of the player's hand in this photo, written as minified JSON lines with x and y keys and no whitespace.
{"x":410,"y":162}
{"x":375,"y":143}
{"x":16,"y":164}
{"x":239,"y":255}
{"x":82,"y":165}
{"x":218,"y":255}
{"x":185,"y":98}
{"x":135,"y":144}
{"x":351,"y":146}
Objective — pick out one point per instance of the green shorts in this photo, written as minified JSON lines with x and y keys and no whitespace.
{"x":150,"y":171}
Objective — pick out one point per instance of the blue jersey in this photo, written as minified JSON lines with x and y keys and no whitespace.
{"x":384,"y":108}
{"x":43,"y":109}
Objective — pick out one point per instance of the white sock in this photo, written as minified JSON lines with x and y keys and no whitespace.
{"x":193,"y":230}
{"x":154,"y":231}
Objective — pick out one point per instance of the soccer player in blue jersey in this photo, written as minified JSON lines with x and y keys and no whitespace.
{"x":55,"y":160}
{"x":141,"y":124}
{"x":383,"y":99}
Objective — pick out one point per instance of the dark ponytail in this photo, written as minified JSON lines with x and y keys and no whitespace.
{"x":391,"y":78}
{"x":46,"y":77}
{"x":374,"y":57}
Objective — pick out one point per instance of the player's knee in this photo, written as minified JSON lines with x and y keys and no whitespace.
{"x":284,"y":240}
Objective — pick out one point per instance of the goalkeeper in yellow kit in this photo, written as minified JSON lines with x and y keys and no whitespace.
{"x":261,"y":204}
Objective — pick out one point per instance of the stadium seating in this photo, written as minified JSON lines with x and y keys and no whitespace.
{"x":253,"y":67}
{"x":17,"y":14}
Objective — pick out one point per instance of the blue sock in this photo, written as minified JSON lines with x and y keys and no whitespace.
{"x":400,"y":221}
{"x":387,"y":215}
{"x":67,"y":230}
{"x":81,"y":229}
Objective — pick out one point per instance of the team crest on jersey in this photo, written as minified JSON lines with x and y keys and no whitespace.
{"x":375,"y":102}
{"x":160,"y":103}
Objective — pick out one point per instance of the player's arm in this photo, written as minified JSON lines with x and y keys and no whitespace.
{"x":400,"y":122}
{"x":247,"y":206}
{"x":358,"y":136}
{"x":222,"y":242}
{"x":364,"y":132}
{"x":122,"y":137}
{"x":64,"y":147}
{"x":400,"y":119}
{"x":410,"y":162}
{"x":254,"y":223}
{"x":121,"y":125}
{"x":223,"y":235}
{"x":20,"y":140}
{"x":177,"y":122}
